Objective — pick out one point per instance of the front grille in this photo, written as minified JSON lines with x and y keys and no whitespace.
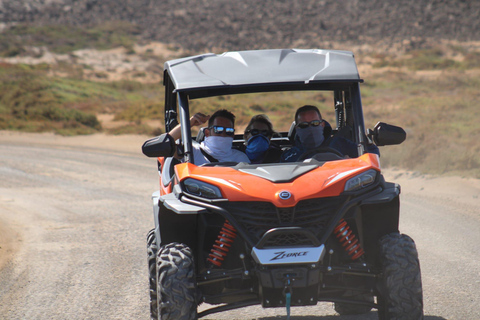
{"x":256,"y":218}
{"x":288,"y":239}
{"x":286,"y":215}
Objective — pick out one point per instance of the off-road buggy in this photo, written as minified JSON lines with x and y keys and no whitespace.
{"x":281,"y":234}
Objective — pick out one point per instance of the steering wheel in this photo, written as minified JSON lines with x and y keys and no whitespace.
{"x":310,"y":153}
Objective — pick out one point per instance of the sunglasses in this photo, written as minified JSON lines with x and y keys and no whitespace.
{"x":313,"y":123}
{"x":220,"y":130}
{"x":255,"y":132}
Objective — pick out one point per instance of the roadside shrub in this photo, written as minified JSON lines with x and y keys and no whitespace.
{"x":136,"y":128}
{"x":69,"y":115}
{"x":68,"y":38}
{"x":472,"y":60}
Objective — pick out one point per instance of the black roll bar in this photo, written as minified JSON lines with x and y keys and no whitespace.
{"x":185,"y":128}
{"x":358,"y":118}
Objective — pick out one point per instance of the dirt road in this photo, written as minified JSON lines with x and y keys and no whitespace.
{"x":74,"y":213}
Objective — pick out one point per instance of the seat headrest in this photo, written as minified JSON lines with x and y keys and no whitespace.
{"x":200,"y":135}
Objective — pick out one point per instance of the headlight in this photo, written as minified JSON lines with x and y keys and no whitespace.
{"x":361,"y":181}
{"x":201,"y":189}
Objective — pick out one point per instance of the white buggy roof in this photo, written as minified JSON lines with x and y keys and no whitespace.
{"x":262,"y":68}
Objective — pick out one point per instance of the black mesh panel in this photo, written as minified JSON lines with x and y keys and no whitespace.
{"x":256,"y":218}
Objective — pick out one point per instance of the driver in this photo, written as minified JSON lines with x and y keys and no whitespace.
{"x":309,"y":136}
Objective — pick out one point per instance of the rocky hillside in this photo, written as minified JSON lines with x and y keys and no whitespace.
{"x":247,"y":24}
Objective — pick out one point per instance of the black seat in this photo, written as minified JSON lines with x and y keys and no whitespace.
{"x":168,"y":171}
{"x":345,"y":132}
{"x":200,"y":135}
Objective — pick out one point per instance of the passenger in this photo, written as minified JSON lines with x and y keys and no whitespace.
{"x":309,"y":136}
{"x":217,"y":146}
{"x":259,"y":146}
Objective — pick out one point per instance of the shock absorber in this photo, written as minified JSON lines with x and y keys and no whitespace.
{"x":222,"y":245}
{"x":348,"y":240}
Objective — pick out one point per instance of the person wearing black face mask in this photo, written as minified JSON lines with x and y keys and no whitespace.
{"x":310,"y":135}
{"x":257,"y":136}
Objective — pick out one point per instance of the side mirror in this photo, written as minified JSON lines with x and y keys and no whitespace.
{"x":161,"y":146}
{"x":386,"y":134}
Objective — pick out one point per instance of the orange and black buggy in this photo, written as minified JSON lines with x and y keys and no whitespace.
{"x":324,"y":228}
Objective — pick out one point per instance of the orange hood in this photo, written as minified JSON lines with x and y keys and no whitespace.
{"x":327,"y":180}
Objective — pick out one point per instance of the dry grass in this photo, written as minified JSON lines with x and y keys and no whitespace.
{"x":441,"y":115}
{"x":432,"y":93}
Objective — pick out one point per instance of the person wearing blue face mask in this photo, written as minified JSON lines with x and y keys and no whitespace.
{"x":257,"y":136}
{"x":309,"y":135}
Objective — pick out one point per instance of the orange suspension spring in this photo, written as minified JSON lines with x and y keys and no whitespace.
{"x":348,"y":241}
{"x":222,"y":244}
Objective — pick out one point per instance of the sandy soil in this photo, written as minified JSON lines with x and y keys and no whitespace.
{"x":74,"y":212}
{"x":129,"y":144}
{"x":120,"y":143}
{"x":442,"y":188}
{"x":436,"y":186}
{"x":142,"y":63}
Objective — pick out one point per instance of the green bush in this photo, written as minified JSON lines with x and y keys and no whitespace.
{"x":67,"y":38}
{"x":472,"y":60}
{"x":428,"y":59}
{"x":32,"y":101}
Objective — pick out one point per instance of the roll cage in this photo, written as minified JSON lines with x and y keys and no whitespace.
{"x":212,"y":75}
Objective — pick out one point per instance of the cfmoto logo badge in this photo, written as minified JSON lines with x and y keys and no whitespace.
{"x":284,"y":195}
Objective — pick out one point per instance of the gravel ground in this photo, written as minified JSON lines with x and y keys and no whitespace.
{"x":74,"y":212}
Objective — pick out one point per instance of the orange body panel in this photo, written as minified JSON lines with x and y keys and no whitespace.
{"x":163,"y":190}
{"x":325,"y":181}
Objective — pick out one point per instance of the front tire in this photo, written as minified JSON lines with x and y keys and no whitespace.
{"x":176,"y":283}
{"x":152,"y":272}
{"x":401,"y":285}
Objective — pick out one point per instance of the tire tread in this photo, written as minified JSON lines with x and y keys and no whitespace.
{"x":402,"y":284}
{"x":176,"y":285}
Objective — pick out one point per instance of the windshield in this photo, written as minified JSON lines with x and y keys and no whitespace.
{"x":280,"y":107}
{"x":327,"y":121}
